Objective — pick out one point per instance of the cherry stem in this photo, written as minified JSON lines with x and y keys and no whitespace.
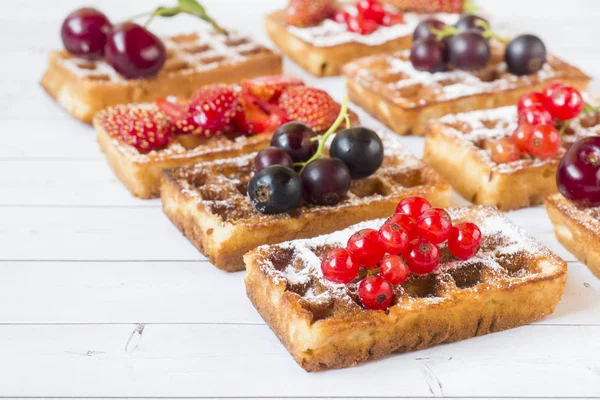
{"x":343,"y":116}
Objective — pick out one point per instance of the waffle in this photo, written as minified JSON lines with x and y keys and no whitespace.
{"x":513,"y":280}
{"x":389,"y":88}
{"x":209,"y":204}
{"x":578,"y":229}
{"x":457,"y":147}
{"x":323,"y":50}
{"x":85,"y":87}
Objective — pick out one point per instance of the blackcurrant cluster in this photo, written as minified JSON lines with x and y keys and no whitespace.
{"x":293,"y":168}
{"x":465,"y":46}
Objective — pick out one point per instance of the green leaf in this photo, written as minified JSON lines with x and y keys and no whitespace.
{"x":167,"y":11}
{"x":192,"y":6}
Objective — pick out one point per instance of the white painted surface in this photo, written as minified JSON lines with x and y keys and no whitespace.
{"x":82,"y":263}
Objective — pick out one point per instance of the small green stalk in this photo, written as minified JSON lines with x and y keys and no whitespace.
{"x":563,"y":128}
{"x":488,"y":33}
{"x":322,"y":139}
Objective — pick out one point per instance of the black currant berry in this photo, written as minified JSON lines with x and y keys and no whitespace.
{"x":295,"y":139}
{"x":424,"y":29}
{"x":274,"y":190}
{"x":471,"y":21}
{"x":360,"y":149}
{"x":272,"y":156}
{"x":525,"y":54}
{"x":428,"y":55}
{"x":326,"y":181}
{"x":469,"y":51}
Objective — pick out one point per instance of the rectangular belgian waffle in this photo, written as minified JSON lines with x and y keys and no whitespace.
{"x":578,"y":229}
{"x":85,"y":87}
{"x":209,"y":204}
{"x":324,"y":49}
{"x":141,"y":172}
{"x":459,"y":147}
{"x":513,"y":280}
{"x":389,"y":88}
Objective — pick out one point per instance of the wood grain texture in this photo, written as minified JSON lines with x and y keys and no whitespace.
{"x":102,"y":297}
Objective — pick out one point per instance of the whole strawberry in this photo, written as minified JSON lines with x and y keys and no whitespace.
{"x":143,"y":128}
{"x":211,"y":112}
{"x":310,"y":106}
{"x":303,"y":13}
{"x":269,"y":88}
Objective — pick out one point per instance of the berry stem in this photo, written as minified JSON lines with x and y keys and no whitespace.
{"x":343,"y":116}
{"x":445,"y":32}
{"x":563,"y":128}
{"x":489,"y":33}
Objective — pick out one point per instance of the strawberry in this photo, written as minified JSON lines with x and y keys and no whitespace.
{"x":308,"y":12}
{"x":211,"y":112}
{"x":270,"y":88}
{"x":432,"y":6}
{"x":258,"y":116}
{"x":310,"y":106}
{"x":143,"y":128}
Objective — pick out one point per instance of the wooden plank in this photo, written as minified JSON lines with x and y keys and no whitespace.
{"x":203,"y":360}
{"x":177,"y":292}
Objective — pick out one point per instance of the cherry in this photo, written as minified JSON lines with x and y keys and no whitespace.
{"x":434,"y":225}
{"x":338,"y":266}
{"x":565,"y":102}
{"x":535,"y":115}
{"x":365,"y":247}
{"x":394,"y":238}
{"x":544,"y":141}
{"x":413,"y":206}
{"x":84,"y":33}
{"x":578,"y":175}
{"x":464,"y":240}
{"x":372,"y":10}
{"x":521,"y":136}
{"x":504,"y":151}
{"x":422,"y":256}
{"x":532,"y":99}
{"x":394,"y":269}
{"x":375,"y":293}
{"x":405,"y":221}
{"x":135,"y":52}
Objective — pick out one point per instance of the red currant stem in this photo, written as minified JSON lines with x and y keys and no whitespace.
{"x":563,"y":128}
{"x":589,"y":108}
{"x":372,"y":271}
{"x":331,"y":131}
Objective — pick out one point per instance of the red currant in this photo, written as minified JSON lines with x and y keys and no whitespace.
{"x":531,"y":99}
{"x":422,"y":256}
{"x":407,"y":222}
{"x":521,"y":135}
{"x":392,"y":19}
{"x":504,"y":151}
{"x":394,"y":238}
{"x":360,"y":24}
{"x":365,"y":247}
{"x":544,"y":141}
{"x":535,"y":115}
{"x":371,"y":10}
{"x":551,"y":87}
{"x":565,"y":102}
{"x":434,"y":225}
{"x":375,"y":293}
{"x":464,"y":241}
{"x":340,"y":17}
{"x":413,"y":206}
{"x":394,"y":269}
{"x":338,"y":266}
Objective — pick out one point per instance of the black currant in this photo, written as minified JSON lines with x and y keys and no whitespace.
{"x":272,"y":156}
{"x":471,"y":21}
{"x":326,"y":181}
{"x":275,"y":189}
{"x":469,"y":51}
{"x":360,"y":149}
{"x":525,"y":54}
{"x":424,"y":29}
{"x":428,"y":55}
{"x":295,"y":139}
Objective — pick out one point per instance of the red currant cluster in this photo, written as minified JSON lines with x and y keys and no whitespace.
{"x":369,"y":15}
{"x":537,"y":135}
{"x":407,"y":242}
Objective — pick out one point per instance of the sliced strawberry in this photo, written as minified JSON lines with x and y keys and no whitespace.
{"x":211,"y":112}
{"x":143,"y":128}
{"x":269,"y":88}
{"x":310,"y":106}
{"x":258,"y":116}
{"x":308,"y":12}
{"x":432,"y":6}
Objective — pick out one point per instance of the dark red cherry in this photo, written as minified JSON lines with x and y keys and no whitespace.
{"x":578,"y":175}
{"x":84,"y":33}
{"x":135,"y":52}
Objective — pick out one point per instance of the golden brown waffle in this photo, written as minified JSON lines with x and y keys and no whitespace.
{"x":458,"y":147}
{"x":323,"y":50}
{"x":389,"y":88}
{"x":578,"y":229}
{"x":85,"y":87}
{"x":141,"y":173}
{"x":209,"y":204}
{"x":513,"y":280}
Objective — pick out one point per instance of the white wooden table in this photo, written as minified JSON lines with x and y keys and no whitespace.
{"x":100,"y":296}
